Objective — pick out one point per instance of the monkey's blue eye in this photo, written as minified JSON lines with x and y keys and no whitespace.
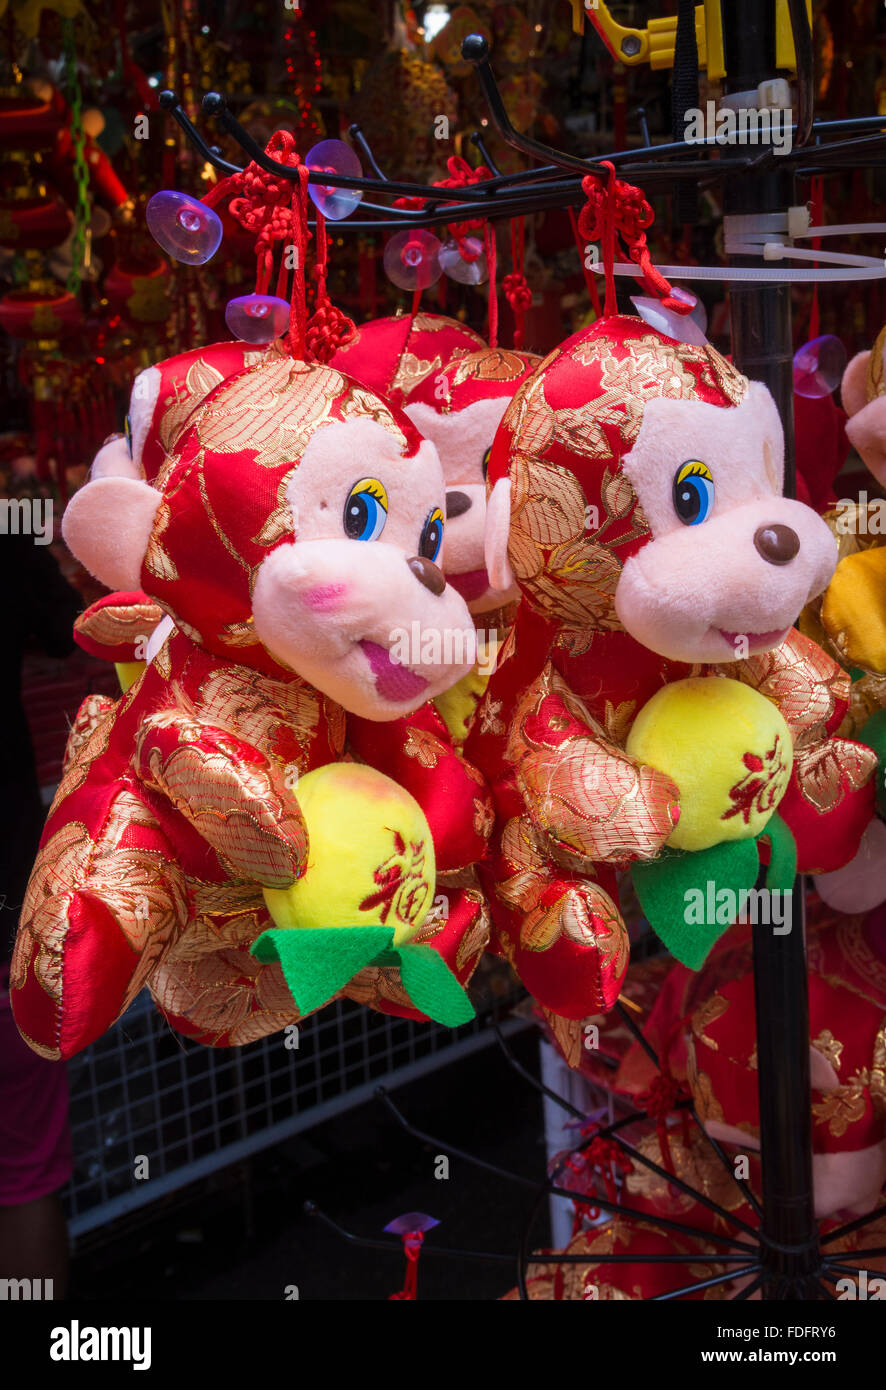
{"x":127,"y":430}
{"x":432,"y":535}
{"x":693,"y":492}
{"x":366,"y":510}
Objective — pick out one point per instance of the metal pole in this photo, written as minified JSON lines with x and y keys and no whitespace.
{"x":762,"y":348}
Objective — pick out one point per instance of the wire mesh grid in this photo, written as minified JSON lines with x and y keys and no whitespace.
{"x":152,"y":1111}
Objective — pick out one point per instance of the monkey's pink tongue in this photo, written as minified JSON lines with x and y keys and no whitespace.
{"x":392,"y":681}
{"x":470,"y":585}
{"x":756,"y":641}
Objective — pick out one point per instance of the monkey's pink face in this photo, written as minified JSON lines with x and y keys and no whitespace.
{"x":356,"y":603}
{"x":731,"y":562}
{"x":463,"y":439}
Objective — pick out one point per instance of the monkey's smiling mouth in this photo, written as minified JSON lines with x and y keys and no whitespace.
{"x":757,"y":641}
{"x":470,"y":584}
{"x":392,"y":681}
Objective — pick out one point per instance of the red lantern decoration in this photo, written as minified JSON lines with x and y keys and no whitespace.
{"x":27,"y":123}
{"x":31,"y":314}
{"x":137,"y":288}
{"x":33,"y":224}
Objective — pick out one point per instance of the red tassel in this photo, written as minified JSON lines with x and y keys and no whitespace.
{"x":328,"y":328}
{"x":621,"y":208}
{"x":493,"y":292}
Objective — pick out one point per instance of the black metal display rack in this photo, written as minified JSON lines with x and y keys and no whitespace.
{"x":783,"y":1255}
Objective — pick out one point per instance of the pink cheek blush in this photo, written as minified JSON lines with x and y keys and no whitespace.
{"x":325,"y":599}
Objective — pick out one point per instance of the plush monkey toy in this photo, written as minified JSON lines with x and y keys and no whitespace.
{"x":393,"y":356}
{"x":704,"y":1026}
{"x":287,"y":528}
{"x":636,"y":499}
{"x":849,"y":619}
{"x":864,"y":399}
{"x":456,"y":401}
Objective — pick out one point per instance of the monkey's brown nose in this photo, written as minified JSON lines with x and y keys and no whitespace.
{"x":777,"y":544}
{"x":457,"y":503}
{"x":427,"y":573}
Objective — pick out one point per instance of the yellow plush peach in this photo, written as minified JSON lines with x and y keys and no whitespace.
{"x":370,"y":855}
{"x":727,"y":748}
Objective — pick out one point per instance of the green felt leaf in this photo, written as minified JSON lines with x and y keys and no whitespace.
{"x":782,"y":867}
{"x":432,"y":987}
{"x":319,"y":961}
{"x":678,"y":893}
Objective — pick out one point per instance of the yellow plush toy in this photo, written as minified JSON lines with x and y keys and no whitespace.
{"x":726,"y":747}
{"x":370,"y":855}
{"x":366,"y":890}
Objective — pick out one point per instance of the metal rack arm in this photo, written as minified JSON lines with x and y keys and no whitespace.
{"x":475,"y":50}
{"x":424,"y":1138}
{"x":395,"y":1247}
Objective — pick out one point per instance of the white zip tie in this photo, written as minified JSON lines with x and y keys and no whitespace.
{"x":873,"y":270}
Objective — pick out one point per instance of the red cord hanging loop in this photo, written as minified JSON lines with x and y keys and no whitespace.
{"x":661,"y":1101}
{"x":606,"y":1156}
{"x":328,"y":328}
{"x":517,"y":292}
{"x":491,"y":259}
{"x":461,"y":174}
{"x":274,"y":210}
{"x":620,"y":208}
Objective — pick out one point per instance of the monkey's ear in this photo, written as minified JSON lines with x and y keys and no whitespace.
{"x":853,"y":387}
{"x":498,"y":526}
{"x":866,"y":432}
{"x":114,"y":460}
{"x":107,"y":526}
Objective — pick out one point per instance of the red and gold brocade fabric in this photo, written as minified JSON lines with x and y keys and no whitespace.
{"x":401,"y":355}
{"x":177,"y":803}
{"x":550,"y":732}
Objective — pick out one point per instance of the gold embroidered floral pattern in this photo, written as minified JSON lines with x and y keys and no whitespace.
{"x":200,"y":380}
{"x":586,"y":794}
{"x":114,"y":623}
{"x":256,"y":707}
{"x":488,"y":364}
{"x":714,"y":1007}
{"x":367,"y":405}
{"x":157,"y":561}
{"x":798,"y":677}
{"x":226,"y":996}
{"x":273,"y":410}
{"x":585,"y":915}
{"x":569,"y":1035}
{"x":242,"y":810}
{"x":829,"y":1047}
{"x":425,"y":747}
{"x":85,"y":742}
{"x":143,"y":890}
{"x":698,"y":1166}
{"x":484,"y":817}
{"x":412,"y":370}
{"x":827,"y":771}
{"x":844,"y":1106}
{"x":706,"y":1102}
{"x":475,"y":939}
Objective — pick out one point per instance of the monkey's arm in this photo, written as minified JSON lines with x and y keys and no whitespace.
{"x":230,"y":792}
{"x":581,"y":789}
